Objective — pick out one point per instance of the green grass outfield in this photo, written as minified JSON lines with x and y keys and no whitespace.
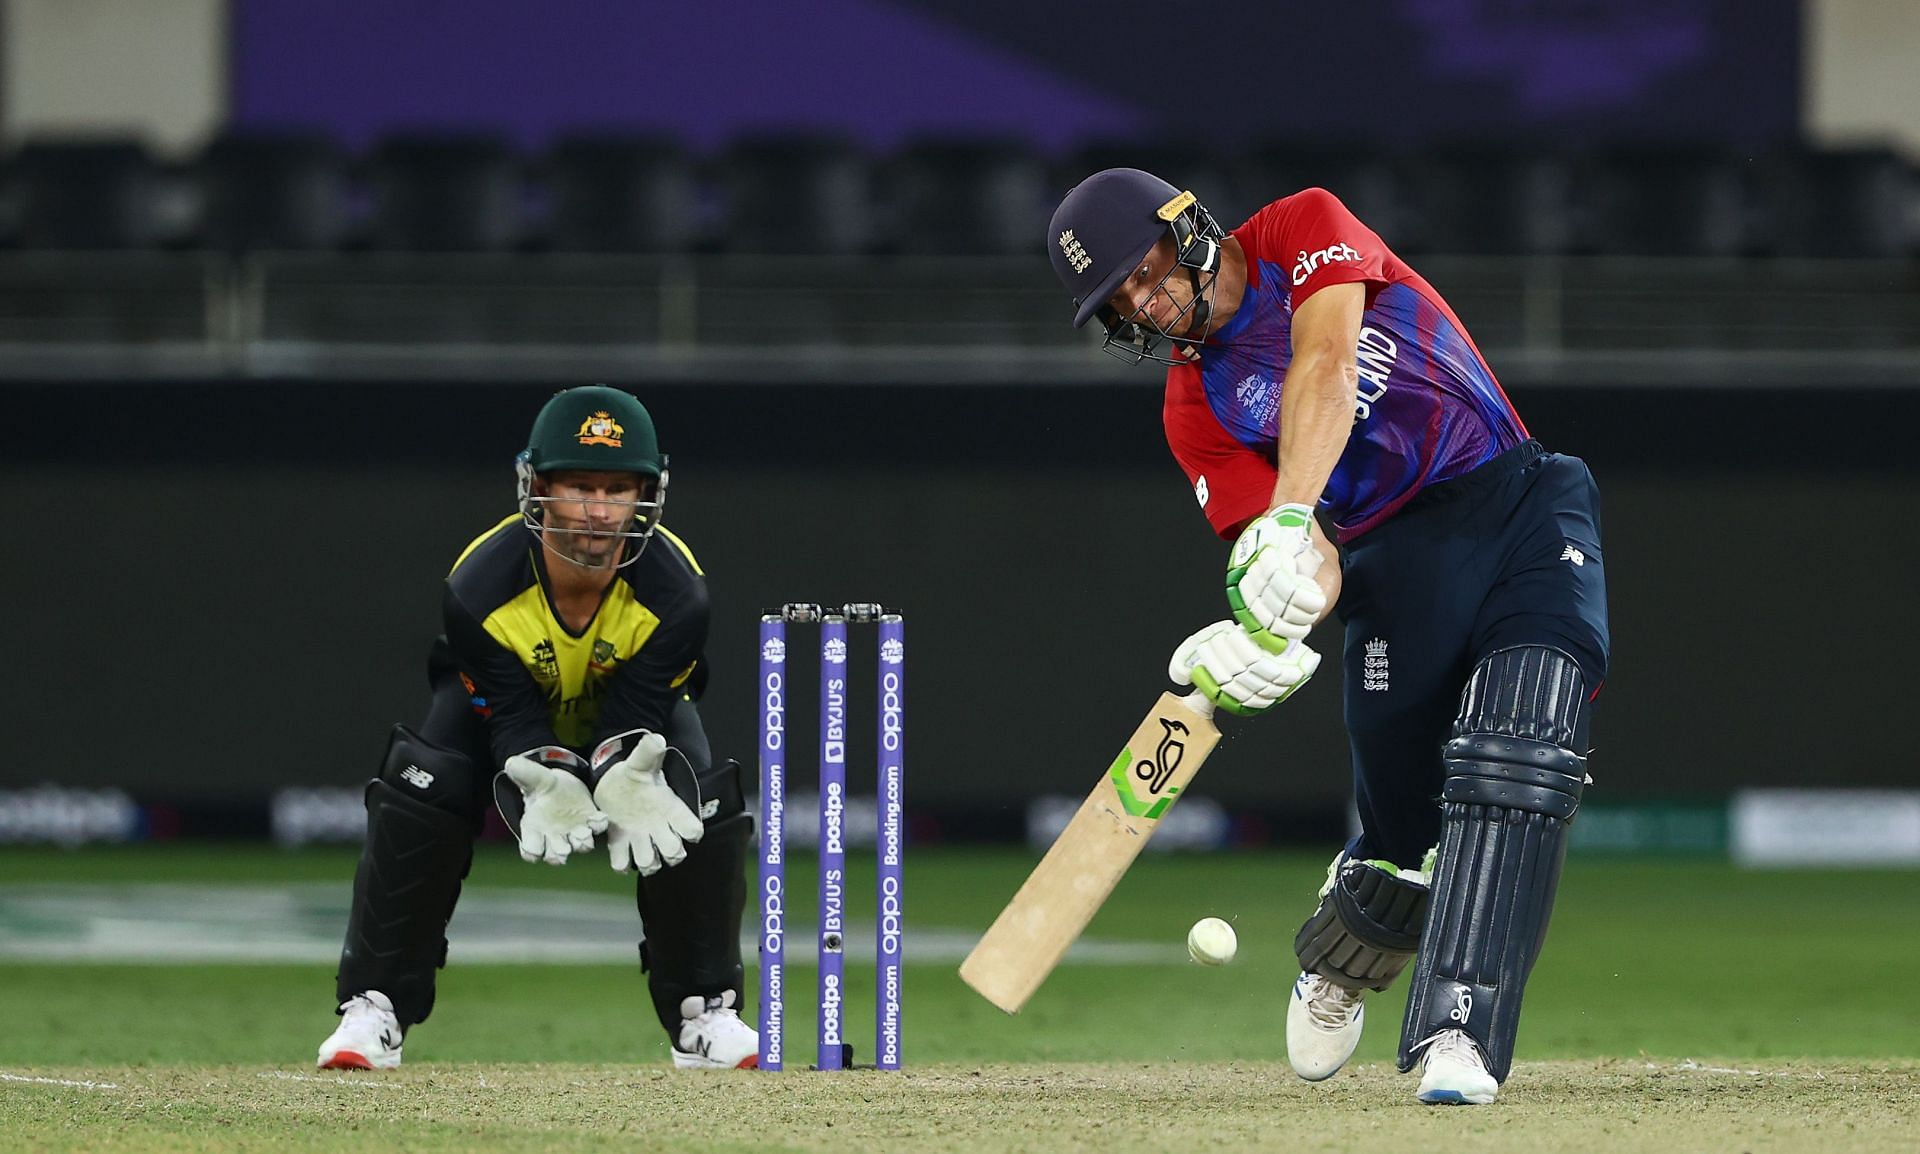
{"x":1679,"y":1005}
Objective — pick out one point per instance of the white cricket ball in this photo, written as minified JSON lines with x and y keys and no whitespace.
{"x":1211,"y":942}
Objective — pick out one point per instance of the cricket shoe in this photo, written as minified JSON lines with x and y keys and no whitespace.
{"x":1456,"y":1074}
{"x":712,"y":1036}
{"x":368,"y":1037}
{"x":1324,"y":1021}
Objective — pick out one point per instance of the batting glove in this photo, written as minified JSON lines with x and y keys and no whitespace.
{"x":559,"y":818}
{"x":649,"y":827}
{"x":1270,"y":583}
{"x":1237,"y":673}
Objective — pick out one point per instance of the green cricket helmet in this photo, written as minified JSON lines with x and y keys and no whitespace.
{"x":599,"y":429}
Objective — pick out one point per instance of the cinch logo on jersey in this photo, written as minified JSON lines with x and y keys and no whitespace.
{"x":601,"y":429}
{"x":1075,"y":252}
{"x":1312,"y":262}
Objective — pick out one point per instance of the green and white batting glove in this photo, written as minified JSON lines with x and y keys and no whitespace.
{"x":1237,"y":673}
{"x":1270,"y":583}
{"x":560,"y":818}
{"x":649,"y":827}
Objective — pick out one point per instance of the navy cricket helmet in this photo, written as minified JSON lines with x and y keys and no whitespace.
{"x":1103,"y":229}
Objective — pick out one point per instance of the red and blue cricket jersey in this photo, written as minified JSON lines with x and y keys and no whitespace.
{"x":1427,"y":407}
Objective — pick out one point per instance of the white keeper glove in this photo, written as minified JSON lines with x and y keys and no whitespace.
{"x":1237,"y":673}
{"x":648,"y":825}
{"x":1270,"y":583}
{"x":559,"y":818}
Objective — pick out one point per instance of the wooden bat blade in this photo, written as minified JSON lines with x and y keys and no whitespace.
{"x":1091,"y":855}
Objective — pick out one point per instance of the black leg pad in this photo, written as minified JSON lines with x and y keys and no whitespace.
{"x":404,"y":891}
{"x":1366,"y":929}
{"x":690,"y":916}
{"x":1513,"y":785}
{"x":421,"y":822}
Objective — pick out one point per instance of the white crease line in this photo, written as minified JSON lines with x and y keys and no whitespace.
{"x":5,"y":1077}
{"x":347,"y":1081}
{"x":1692,"y":1066}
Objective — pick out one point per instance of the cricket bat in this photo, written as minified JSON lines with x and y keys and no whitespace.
{"x":1092,"y":854}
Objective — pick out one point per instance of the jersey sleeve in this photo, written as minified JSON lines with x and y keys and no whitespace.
{"x":518,"y":720}
{"x":1314,"y":238}
{"x":1232,"y":482}
{"x":642,"y":693}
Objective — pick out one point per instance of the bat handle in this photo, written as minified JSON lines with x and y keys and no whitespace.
{"x":1197,"y":701}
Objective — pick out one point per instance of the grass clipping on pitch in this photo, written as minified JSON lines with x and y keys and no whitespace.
{"x":1548,"y":1106}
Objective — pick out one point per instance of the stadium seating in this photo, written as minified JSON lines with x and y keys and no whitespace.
{"x":797,"y":194}
{"x":622,"y":194}
{"x":288,"y":193}
{"x":806,"y":194}
{"x":445,"y":194}
{"x":966,"y":197}
{"x":85,"y":194}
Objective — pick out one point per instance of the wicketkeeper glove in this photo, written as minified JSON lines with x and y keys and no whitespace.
{"x":1236,"y":672}
{"x":649,"y":826}
{"x":1270,"y":584}
{"x":559,"y":818}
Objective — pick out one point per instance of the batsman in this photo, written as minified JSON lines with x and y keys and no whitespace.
{"x":1340,"y":427}
{"x":563,"y":691}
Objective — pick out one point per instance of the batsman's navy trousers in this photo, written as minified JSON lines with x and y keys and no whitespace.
{"x":1506,"y":555}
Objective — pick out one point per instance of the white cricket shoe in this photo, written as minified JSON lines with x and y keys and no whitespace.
{"x":1324,"y":1021}
{"x":713,"y":1037}
{"x":1456,"y":1074}
{"x":368,"y":1037}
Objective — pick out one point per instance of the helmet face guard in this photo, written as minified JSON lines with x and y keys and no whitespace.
{"x":631,"y":529}
{"x":593,"y":429}
{"x":1196,"y":246}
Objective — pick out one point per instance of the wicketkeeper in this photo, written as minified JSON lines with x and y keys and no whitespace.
{"x":1321,"y":393}
{"x":563,"y":691}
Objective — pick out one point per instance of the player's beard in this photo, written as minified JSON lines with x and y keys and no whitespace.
{"x":587,"y":546}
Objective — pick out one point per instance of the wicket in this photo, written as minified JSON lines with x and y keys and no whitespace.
{"x":890,"y":684}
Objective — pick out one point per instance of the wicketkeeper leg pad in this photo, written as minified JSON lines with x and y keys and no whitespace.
{"x":420,"y":832}
{"x":690,"y":913}
{"x":1366,"y":928}
{"x":1514,"y":783}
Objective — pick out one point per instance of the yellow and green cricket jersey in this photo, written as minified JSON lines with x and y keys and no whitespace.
{"x":538,"y":683}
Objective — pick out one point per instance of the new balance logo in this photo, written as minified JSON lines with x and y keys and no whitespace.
{"x":709,"y":807}
{"x":1573,"y":555}
{"x":416,"y":777}
{"x":389,"y":1039}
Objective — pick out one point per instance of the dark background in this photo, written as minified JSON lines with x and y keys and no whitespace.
{"x":219,"y":588}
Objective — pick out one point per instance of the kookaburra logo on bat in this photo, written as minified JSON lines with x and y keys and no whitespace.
{"x":1166,"y":758}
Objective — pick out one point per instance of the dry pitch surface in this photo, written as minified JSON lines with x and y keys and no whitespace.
{"x":1549,"y":1106}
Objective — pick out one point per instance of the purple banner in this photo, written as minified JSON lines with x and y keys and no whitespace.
{"x":704,"y":73}
{"x":883,"y":72}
